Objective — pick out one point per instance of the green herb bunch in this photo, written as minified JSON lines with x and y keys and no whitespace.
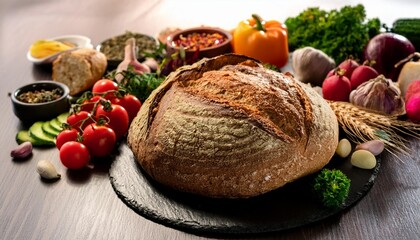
{"x":332,"y":187}
{"x":140,"y":85}
{"x":341,"y":34}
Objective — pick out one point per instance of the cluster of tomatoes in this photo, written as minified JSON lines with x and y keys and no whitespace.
{"x":96,"y":125}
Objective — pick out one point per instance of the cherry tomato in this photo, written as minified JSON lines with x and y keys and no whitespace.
{"x":118,"y":118}
{"x":99,"y":139}
{"x":66,"y":135}
{"x":115,"y":101}
{"x":130,"y":103}
{"x":88,"y":104}
{"x":105,"y":85}
{"x":74,"y":155}
{"x":76,"y":120}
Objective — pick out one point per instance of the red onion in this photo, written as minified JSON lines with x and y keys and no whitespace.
{"x":387,"y":49}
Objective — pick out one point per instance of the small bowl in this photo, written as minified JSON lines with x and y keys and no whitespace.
{"x":113,"y":47}
{"x":208,"y":52}
{"x":78,"y":40}
{"x":32,"y":112}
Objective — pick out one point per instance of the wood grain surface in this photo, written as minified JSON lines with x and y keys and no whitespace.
{"x":83,"y":205}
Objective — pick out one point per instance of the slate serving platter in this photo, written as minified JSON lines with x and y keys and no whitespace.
{"x":291,"y":206}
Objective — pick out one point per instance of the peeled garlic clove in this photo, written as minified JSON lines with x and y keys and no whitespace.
{"x":47,"y":170}
{"x":381,"y":95}
{"x":373,"y":146}
{"x":363,"y":159}
{"x":343,"y":148}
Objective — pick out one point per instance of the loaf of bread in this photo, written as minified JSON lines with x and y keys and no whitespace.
{"x":227,"y":127}
{"x":79,"y":69}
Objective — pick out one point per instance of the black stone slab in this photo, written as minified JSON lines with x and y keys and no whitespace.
{"x":288,"y":207}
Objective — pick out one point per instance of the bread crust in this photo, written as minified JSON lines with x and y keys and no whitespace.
{"x":79,"y":69}
{"x":228,"y":127}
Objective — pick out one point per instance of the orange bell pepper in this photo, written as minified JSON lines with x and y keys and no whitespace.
{"x":265,"y":41}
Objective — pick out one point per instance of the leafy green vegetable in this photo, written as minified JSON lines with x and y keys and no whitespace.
{"x":140,"y":85}
{"x":339,"y":33}
{"x":332,"y":187}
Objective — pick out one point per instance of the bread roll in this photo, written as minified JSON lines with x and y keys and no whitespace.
{"x":227,"y":127}
{"x":79,"y":69}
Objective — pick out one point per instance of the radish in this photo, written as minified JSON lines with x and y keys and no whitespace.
{"x":412,"y":108}
{"x":348,"y":65}
{"x":336,"y":87}
{"x":361,"y":74}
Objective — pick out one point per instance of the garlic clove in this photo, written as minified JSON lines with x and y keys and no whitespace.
{"x":363,"y":159}
{"x":374,"y":146}
{"x":22,"y":151}
{"x":47,"y":170}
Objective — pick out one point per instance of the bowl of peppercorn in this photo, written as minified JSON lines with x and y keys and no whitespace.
{"x":200,"y":42}
{"x":40,"y":101}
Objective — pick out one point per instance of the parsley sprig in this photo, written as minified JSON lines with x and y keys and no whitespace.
{"x":339,"y":33}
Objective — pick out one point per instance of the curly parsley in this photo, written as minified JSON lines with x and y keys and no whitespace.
{"x":339,"y":33}
{"x":332,"y":187}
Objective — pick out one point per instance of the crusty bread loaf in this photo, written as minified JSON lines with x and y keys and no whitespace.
{"x":228,"y":127}
{"x":79,"y":69}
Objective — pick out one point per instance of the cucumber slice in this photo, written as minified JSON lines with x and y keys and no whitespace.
{"x":36,"y":132}
{"x":62,"y":118}
{"x":55,"y":124}
{"x":23,"y":136}
{"x":49,"y":129}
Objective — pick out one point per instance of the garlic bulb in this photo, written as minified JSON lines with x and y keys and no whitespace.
{"x":311,"y":65}
{"x":380,"y":95}
{"x":130,"y":59}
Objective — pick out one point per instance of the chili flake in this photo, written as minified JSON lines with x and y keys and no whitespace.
{"x":196,"y":41}
{"x":40,"y":96}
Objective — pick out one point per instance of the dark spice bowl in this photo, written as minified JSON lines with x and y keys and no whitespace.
{"x":32,"y":112}
{"x":215,"y":49}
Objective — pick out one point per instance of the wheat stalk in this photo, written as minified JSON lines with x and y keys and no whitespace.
{"x":362,"y":125}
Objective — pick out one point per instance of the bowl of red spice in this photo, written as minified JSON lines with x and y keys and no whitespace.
{"x":200,"y":42}
{"x":40,"y":101}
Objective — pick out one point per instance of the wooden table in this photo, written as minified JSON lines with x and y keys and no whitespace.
{"x":83,"y":205}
